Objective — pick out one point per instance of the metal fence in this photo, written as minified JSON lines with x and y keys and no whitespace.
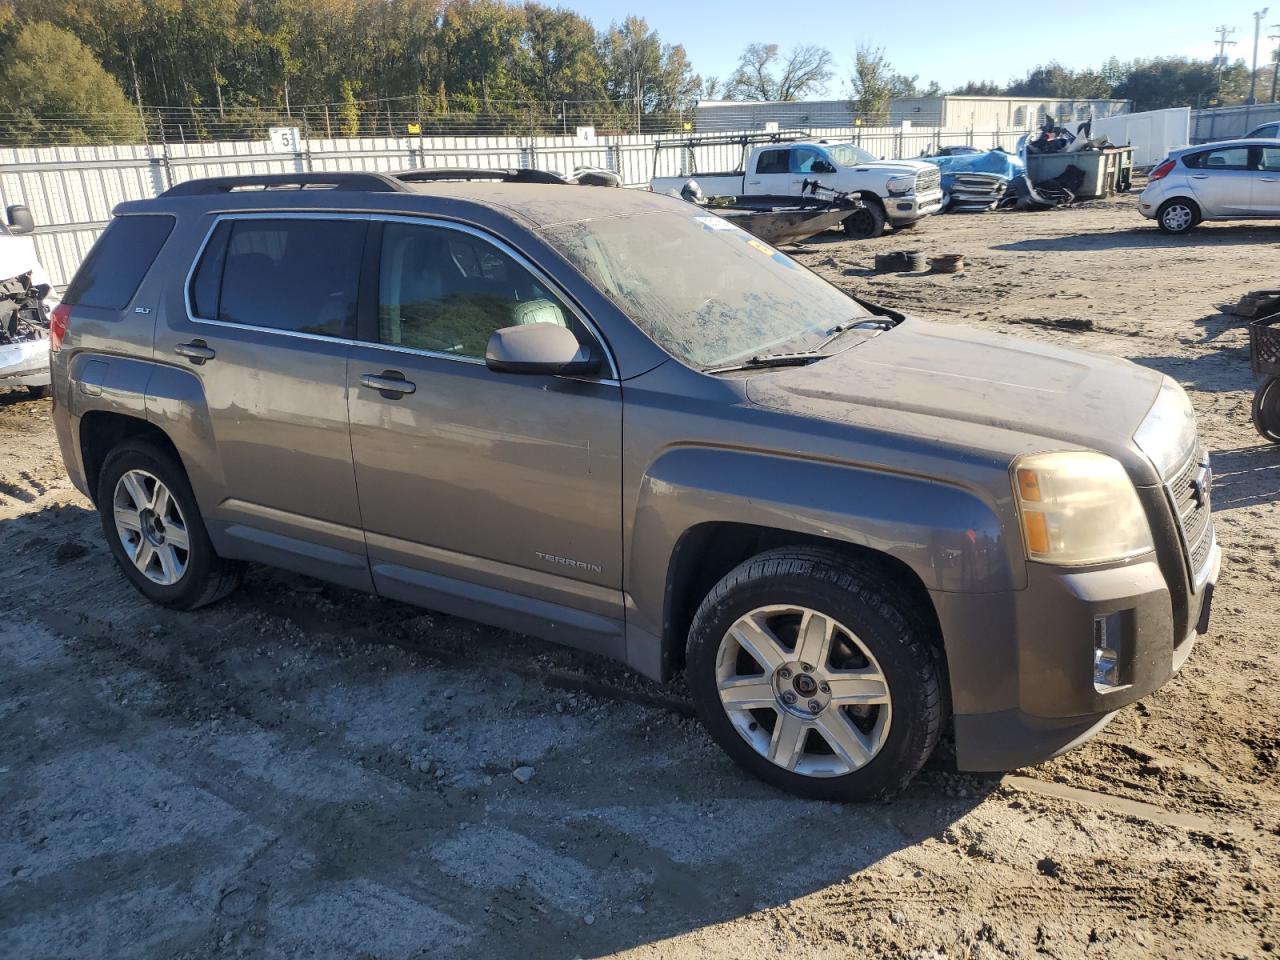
{"x":72,"y":190}
{"x":1227,"y":123}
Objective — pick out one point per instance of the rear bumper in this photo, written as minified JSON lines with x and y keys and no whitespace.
{"x":1022,"y":663}
{"x":24,"y":364}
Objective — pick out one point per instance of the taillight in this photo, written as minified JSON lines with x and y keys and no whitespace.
{"x":58,"y":326}
{"x":1160,"y":172}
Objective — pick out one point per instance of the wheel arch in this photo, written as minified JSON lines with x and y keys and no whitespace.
{"x":101,"y":431}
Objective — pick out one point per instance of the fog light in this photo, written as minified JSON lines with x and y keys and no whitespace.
{"x":1111,"y":651}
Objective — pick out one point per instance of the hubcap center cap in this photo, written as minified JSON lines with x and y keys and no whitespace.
{"x":799,"y":691}
{"x":152,"y":527}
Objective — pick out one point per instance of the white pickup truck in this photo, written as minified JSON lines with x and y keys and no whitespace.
{"x":897,"y":192}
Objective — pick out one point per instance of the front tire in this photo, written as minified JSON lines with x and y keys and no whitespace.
{"x":1266,"y":409}
{"x":155,"y":532}
{"x":1177,"y":215}
{"x":808,"y":669}
{"x":866,"y":223}
{"x":40,"y":392}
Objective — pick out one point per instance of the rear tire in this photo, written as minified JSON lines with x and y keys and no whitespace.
{"x":1177,"y":215}
{"x":155,"y":532}
{"x":835,"y":636}
{"x":40,"y":392}
{"x":867,"y":223}
{"x":1266,"y":409}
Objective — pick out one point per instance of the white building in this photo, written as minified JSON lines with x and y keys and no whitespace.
{"x":983,"y":114}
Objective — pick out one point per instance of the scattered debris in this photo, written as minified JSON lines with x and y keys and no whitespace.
{"x":522,"y":774}
{"x":947,"y":263}
{"x":900,"y":261}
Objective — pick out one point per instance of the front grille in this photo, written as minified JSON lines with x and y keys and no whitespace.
{"x":927,"y":180}
{"x":1189,"y":494}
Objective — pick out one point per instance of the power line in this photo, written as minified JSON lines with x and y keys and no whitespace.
{"x":1223,"y":33}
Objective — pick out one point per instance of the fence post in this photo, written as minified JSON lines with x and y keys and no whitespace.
{"x":422,"y":147}
{"x":304,"y":158}
{"x":165,"y":170}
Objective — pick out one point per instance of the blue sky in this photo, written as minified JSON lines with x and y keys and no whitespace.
{"x":948,"y":41}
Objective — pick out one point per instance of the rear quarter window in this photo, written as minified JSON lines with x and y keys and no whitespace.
{"x":114,"y":268}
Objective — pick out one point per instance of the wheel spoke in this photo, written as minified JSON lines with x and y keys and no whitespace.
{"x":168,"y":563}
{"x":160,"y":501}
{"x":847,"y":742}
{"x":127,"y":519}
{"x":852,"y":688}
{"x":787,"y":743}
{"x":136,"y":489}
{"x":176,"y":535}
{"x":747,"y":694}
{"x":143,"y":555}
{"x":755,"y":637}
{"x":813,"y":643}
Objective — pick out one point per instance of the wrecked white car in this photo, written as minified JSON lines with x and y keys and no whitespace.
{"x":24,"y":310}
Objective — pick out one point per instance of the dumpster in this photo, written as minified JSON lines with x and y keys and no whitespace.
{"x":1106,"y":171}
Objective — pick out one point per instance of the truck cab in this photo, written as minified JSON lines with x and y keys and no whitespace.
{"x":895,"y":193}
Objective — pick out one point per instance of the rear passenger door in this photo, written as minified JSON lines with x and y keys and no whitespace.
{"x":495,"y":496}
{"x":270,"y":319}
{"x":1266,"y":184}
{"x":1222,"y":181}
{"x":772,"y":175}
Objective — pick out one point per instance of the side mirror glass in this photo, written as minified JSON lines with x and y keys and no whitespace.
{"x":821,"y":166}
{"x":540,"y":348}
{"x":20,"y":219}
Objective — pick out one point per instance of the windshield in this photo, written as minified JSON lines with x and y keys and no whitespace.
{"x":847,"y":155}
{"x":706,"y":292}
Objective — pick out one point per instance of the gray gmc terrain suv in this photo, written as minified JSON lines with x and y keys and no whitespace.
{"x":611,"y":419}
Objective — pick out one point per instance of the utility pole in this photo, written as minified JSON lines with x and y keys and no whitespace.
{"x":1253,"y":76}
{"x":1275,"y":59}
{"x":1223,"y":32}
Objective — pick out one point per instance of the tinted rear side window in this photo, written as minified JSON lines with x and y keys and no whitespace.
{"x":111,"y":273}
{"x":296,"y":275}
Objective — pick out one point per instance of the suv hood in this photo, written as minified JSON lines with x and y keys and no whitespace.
{"x":975,"y":381}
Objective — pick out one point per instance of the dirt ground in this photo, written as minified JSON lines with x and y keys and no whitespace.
{"x":301,"y":771}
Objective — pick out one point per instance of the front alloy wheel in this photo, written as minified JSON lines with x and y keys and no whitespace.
{"x":816,"y":703}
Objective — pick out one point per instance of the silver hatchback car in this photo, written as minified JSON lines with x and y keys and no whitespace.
{"x":1232,"y":180}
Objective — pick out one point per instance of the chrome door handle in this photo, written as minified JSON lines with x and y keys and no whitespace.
{"x":1199,"y":176}
{"x":390,"y":383}
{"x":1267,"y":179}
{"x":197,"y":351}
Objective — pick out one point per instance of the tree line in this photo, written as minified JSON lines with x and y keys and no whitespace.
{"x":79,"y":70}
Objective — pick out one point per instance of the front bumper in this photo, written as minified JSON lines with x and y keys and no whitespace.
{"x":1021,"y":663}
{"x":912,"y":206}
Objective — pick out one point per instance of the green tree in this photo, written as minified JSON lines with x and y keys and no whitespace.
{"x":871,"y":84}
{"x":52,"y":89}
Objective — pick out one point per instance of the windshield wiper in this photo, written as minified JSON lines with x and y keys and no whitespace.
{"x":770,"y":360}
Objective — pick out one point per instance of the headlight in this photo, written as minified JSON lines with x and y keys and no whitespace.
{"x":1168,"y":433}
{"x":1078,"y":508}
{"x":901,"y":184}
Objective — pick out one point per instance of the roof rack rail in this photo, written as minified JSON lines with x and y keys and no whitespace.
{"x":363,"y":182}
{"x":718,"y":139}
{"x":502,"y":175}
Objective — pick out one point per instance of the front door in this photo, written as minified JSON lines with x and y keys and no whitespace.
{"x":496,"y":496}
{"x":1266,"y":182}
{"x":271,"y":320}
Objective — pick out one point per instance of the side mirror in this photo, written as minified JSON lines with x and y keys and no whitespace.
{"x":545,"y":348}
{"x":821,"y":166}
{"x":20,"y":219}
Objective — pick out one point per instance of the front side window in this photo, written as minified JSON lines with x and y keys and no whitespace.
{"x":445,"y":291}
{"x":1227,"y":158}
{"x":803,"y":159}
{"x":297,"y":275}
{"x":704,"y":290}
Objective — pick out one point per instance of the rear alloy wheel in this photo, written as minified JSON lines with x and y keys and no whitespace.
{"x":811,"y":670}
{"x":1266,"y":409}
{"x":1177,"y":216}
{"x":155,"y":531}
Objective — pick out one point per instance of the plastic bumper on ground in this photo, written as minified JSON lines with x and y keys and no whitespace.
{"x":24,"y":364}
{"x":1022,"y":663}
{"x":910,"y":208}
